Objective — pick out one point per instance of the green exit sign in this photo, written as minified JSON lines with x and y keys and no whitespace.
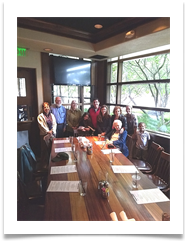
{"x":21,"y":52}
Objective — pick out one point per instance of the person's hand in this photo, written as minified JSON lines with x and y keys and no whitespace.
{"x":109,"y":142}
{"x":50,"y":132}
{"x":87,"y":129}
{"x":103,"y":134}
{"x":121,"y":131}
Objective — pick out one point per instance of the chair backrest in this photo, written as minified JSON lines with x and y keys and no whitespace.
{"x":26,"y":163}
{"x":163,"y":168}
{"x":130,"y":144}
{"x":22,"y":198}
{"x":154,"y":154}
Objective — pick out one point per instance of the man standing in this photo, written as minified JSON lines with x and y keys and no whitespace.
{"x":59,"y":111}
{"x":94,"y":112}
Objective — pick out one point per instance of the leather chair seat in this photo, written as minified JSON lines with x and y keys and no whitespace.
{"x":141,"y":165}
{"x":161,"y":184}
{"x":34,"y":191}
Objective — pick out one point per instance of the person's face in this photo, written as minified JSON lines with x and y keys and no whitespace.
{"x":103,"y":110}
{"x":141,"y":127}
{"x":117,"y":126}
{"x":128,"y":110}
{"x":46,"y":108}
{"x":117,"y":112}
{"x":96,"y":104}
{"x":58,"y":101}
{"x":86,"y":117}
{"x":73,"y":105}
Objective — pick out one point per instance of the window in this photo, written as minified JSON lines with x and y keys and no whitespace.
{"x":143,"y":83}
{"x":72,"y":92}
{"x":67,"y":93}
{"x":21,"y":87}
{"x":87,"y":98}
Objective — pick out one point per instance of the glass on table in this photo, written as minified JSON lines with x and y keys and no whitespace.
{"x":135,"y":179}
{"x":73,"y":147}
{"x":82,"y":188}
{"x":102,"y":175}
{"x":99,"y":137}
{"x":71,"y":139}
{"x":111,"y":156}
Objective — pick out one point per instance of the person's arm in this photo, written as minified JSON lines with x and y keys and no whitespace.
{"x":121,"y":139}
{"x":108,"y":125}
{"x":54,"y":124}
{"x":68,"y":119}
{"x":98,"y":127}
{"x":42,"y":125}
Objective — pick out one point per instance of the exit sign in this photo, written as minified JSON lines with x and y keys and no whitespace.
{"x":21,"y":52}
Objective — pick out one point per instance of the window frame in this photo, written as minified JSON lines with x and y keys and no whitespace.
{"x":119,"y":84}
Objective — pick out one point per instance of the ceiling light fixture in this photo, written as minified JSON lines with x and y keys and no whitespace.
{"x":130,"y":34}
{"x":98,"y":26}
{"x":47,"y":49}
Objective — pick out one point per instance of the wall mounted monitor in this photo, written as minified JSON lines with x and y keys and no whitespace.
{"x":67,"y":71}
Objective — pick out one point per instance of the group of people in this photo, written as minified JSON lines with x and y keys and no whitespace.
{"x":56,"y":121}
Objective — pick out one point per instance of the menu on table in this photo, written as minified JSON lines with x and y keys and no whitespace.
{"x":124,"y":169}
{"x":63,"y":149}
{"x":61,"y":141}
{"x":63,"y":186}
{"x":99,"y":142}
{"x":63,"y":169}
{"x":108,"y":151}
{"x":149,"y":196}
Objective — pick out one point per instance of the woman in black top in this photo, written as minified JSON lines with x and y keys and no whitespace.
{"x":119,"y":116}
{"x":103,"y":121}
{"x":85,"y":125}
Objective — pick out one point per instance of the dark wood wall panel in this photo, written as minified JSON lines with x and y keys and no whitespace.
{"x":46,"y":77}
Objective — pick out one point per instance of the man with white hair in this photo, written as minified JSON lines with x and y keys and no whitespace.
{"x":59,"y":111}
{"x":118,"y":139}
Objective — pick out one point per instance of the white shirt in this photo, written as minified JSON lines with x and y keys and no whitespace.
{"x":142,"y":140}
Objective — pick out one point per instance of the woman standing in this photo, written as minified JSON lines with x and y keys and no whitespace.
{"x":73,"y":119}
{"x":47,"y":125}
{"x":103,"y":121}
{"x":118,"y":116}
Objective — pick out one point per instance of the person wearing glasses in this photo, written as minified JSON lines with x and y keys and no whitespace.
{"x":47,"y":125}
{"x":59,"y":111}
{"x":116,"y":138}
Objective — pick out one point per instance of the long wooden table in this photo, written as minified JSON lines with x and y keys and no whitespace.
{"x":69,"y":206}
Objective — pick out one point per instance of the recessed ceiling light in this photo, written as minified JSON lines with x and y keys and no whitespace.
{"x":130,"y":34}
{"x":48,"y":49}
{"x":98,"y":26}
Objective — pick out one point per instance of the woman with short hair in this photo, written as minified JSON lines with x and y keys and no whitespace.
{"x":47,"y":125}
{"x":118,"y":139}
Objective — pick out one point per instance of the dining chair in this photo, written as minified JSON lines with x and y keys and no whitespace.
{"x":161,"y":176}
{"x":27,"y":210}
{"x":33,"y":190}
{"x":26,"y":167}
{"x":149,"y":165}
{"x":39,"y":169}
{"x":130,"y":144}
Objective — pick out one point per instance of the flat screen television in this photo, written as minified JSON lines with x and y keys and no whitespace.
{"x":67,"y":71}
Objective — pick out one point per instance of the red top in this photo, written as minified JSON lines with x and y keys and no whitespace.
{"x":93,"y":116}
